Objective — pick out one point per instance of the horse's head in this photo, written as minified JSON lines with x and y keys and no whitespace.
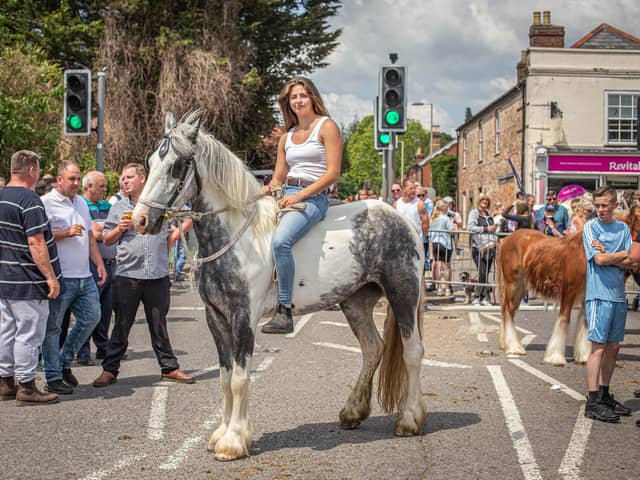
{"x":171,"y":174}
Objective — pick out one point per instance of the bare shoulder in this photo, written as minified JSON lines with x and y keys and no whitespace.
{"x":330,"y":128}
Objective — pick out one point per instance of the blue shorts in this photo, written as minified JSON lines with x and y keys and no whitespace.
{"x":606,"y":320}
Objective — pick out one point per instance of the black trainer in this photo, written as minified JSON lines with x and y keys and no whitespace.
{"x":281,"y":322}
{"x":614,"y":405}
{"x":599,"y":411}
{"x":59,"y":387}
{"x":69,"y":377}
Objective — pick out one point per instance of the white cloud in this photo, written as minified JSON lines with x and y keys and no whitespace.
{"x":458,"y":53}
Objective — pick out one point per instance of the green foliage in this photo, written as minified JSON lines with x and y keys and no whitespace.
{"x":468,"y":115}
{"x":66,"y":31}
{"x":365,"y":164}
{"x":443,"y":175}
{"x":30,"y":102}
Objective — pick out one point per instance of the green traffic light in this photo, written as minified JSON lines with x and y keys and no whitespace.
{"x":384,"y":138}
{"x":392,"y":117}
{"x":74,"y":121}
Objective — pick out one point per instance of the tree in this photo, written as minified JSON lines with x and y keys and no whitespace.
{"x":227,"y":57}
{"x":365,"y":164}
{"x":468,"y":115}
{"x":443,"y":175}
{"x":30,"y":105}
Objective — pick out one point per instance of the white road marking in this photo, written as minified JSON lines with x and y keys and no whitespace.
{"x":336,"y":324}
{"x":570,"y":466}
{"x":475,"y":308}
{"x":431,"y":363}
{"x":497,"y":319}
{"x":299,"y":325}
{"x":514,"y":424}
{"x":548,"y":379}
{"x":526,"y":340}
{"x":186,"y":308}
{"x":181,"y":454}
{"x":266,"y":363}
{"x":476,"y":327}
{"x":199,"y":373}
{"x":120,"y":464}
{"x":157,"y":413}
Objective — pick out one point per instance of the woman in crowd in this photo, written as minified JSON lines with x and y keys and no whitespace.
{"x":581,"y":213}
{"x":483,"y":245}
{"x":522,"y":215}
{"x":441,"y":248}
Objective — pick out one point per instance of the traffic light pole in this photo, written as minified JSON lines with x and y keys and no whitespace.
{"x":100,"y":126}
{"x":389,"y":169}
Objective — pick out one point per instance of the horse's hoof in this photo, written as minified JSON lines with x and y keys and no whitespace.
{"x":349,"y":425}
{"x":227,"y":456}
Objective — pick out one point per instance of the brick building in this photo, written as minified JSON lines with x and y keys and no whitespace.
{"x":570,"y":119}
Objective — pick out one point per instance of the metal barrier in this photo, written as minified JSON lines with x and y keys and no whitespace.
{"x":472,"y":269}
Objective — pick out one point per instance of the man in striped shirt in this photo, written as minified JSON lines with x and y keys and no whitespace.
{"x":29,"y":277}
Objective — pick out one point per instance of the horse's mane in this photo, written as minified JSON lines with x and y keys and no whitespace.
{"x":231,"y":178}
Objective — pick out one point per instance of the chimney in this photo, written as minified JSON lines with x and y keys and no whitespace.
{"x":545,"y":34}
{"x":522,"y":69}
{"x":536,"y":18}
{"x":435,"y":139}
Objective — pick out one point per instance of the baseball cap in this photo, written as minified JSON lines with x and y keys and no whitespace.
{"x":447,"y":199}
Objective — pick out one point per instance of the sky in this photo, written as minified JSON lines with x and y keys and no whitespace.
{"x":459,"y":53}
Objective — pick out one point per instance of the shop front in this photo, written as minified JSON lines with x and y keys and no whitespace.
{"x":590,"y":171}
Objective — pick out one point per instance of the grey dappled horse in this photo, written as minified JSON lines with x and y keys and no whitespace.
{"x":358,"y":253}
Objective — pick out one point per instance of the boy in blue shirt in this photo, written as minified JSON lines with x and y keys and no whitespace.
{"x":606,"y":244}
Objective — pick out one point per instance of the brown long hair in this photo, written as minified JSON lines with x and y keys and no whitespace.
{"x":290,"y":118}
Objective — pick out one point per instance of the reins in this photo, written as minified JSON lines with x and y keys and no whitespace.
{"x":180,"y":215}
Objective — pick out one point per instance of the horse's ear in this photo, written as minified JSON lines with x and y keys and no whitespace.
{"x":195,"y":123}
{"x":169,"y":123}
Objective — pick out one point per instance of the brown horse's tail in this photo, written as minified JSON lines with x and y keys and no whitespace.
{"x":393,"y":376}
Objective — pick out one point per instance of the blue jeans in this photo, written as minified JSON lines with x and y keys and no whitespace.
{"x":292,"y":228}
{"x":100,"y":334}
{"x":81,"y":295}
{"x":179,"y":258}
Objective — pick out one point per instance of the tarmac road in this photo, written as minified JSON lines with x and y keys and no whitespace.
{"x":488,"y":416}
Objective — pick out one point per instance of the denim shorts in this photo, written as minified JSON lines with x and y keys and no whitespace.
{"x":606,"y":320}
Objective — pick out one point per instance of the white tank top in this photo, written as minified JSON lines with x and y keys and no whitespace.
{"x":410,"y":212}
{"x":306,"y":160}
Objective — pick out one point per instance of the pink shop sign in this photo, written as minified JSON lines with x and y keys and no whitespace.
{"x":593,"y":163}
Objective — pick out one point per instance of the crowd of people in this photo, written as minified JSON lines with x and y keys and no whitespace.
{"x":67,"y":250}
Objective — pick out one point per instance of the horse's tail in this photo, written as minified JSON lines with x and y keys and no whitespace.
{"x":393,"y":377}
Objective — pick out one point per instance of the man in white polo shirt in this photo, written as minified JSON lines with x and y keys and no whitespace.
{"x":71,"y":226}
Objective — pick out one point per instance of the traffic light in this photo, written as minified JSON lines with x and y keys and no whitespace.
{"x":77,"y":102}
{"x":381,"y":140}
{"x":392,"y":108}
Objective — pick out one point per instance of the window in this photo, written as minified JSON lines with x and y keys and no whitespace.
{"x":480,"y":140}
{"x":464,"y":149}
{"x":497,"y":131}
{"x":622,"y":114}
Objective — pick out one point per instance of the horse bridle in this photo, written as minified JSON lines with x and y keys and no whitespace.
{"x":184,"y":171}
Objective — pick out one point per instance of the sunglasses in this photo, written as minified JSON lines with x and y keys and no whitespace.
{"x":551,"y":198}
{"x":395,"y":190}
{"x":421,"y":195}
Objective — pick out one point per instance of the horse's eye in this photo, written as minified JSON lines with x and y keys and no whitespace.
{"x":176,"y":170}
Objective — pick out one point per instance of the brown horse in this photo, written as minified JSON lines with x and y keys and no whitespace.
{"x":555,"y":268}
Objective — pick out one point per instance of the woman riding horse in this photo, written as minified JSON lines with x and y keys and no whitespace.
{"x":308,"y":163}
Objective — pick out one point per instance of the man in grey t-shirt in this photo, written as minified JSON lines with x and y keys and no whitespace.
{"x":142,"y":275}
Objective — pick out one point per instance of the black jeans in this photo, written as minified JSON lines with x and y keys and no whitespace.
{"x":127,"y":295}
{"x":484,"y":261}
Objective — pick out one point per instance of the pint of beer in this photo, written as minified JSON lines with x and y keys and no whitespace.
{"x":127,"y":214}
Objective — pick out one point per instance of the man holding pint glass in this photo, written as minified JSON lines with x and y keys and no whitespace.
{"x":142,"y":275}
